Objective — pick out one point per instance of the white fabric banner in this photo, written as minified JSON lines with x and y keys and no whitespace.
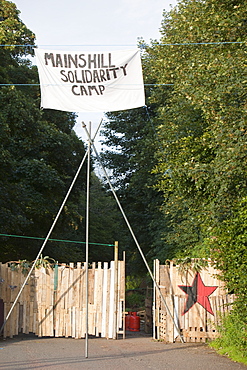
{"x":90,"y":81}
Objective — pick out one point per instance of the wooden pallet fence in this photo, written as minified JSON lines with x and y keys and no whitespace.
{"x":53,"y":303}
{"x":196,"y":301}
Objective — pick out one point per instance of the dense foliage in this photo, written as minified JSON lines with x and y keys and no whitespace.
{"x":202,"y":164}
{"x":228,"y":244}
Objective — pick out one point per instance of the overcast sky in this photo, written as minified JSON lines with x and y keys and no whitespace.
{"x":92,"y":25}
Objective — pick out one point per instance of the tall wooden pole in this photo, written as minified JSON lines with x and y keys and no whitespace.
{"x":87,"y":237}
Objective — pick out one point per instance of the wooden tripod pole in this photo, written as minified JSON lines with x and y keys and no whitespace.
{"x":87,"y":236}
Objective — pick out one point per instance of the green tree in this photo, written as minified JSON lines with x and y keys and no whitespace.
{"x":39,"y":153}
{"x":38,"y":160}
{"x":228,"y":244}
{"x":13,"y":33}
{"x":202,"y":164}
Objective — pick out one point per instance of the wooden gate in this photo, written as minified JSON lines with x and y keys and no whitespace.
{"x":54,"y":301}
{"x":196,"y":301}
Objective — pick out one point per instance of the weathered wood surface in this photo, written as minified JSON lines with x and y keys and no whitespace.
{"x":60,"y":310}
{"x":197,"y":324}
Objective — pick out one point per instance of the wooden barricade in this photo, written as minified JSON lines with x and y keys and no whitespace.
{"x":53,"y":303}
{"x":196,"y":301}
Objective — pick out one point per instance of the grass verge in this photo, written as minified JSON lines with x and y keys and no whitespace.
{"x":233,"y":338}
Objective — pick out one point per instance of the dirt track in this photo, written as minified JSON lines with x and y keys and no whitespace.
{"x":137,"y":351}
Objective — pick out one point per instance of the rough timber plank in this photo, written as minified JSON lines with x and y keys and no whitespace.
{"x":104,"y":301}
{"x":111,"y":301}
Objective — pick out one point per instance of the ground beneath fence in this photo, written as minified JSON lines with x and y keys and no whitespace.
{"x":137,"y":351}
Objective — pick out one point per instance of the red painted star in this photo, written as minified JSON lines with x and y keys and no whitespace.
{"x":198,"y":293}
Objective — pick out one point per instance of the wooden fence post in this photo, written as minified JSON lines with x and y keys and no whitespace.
{"x":115,"y":290}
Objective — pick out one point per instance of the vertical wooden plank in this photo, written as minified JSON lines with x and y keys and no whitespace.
{"x":158,"y":300}
{"x":108,"y":307}
{"x":91,"y":285}
{"x":57,"y":321}
{"x":11,"y":323}
{"x":24,"y":315}
{"x":47,"y":301}
{"x":8,"y":282}
{"x":81,"y":291}
{"x":70,"y":285}
{"x":31,"y":290}
{"x":27,"y":318}
{"x":91,"y":319}
{"x":65,"y":286}
{"x":181,"y":316}
{"x":61,"y":329}
{"x":67,"y":319}
{"x":121,"y":296}
{"x":76,"y":298}
{"x":79,"y":327}
{"x":17,"y":319}
{"x":73,"y":321}
{"x":85,"y":300}
{"x":83,"y":322}
{"x":5,"y":329}
{"x":4,"y":282}
{"x":39,"y":332}
{"x":111,"y":300}
{"x":96,"y":291}
{"x":176,"y":317}
{"x":50,"y":320}
{"x":155,"y":323}
{"x":61,"y":297}
{"x":104,"y":331}
{"x":43,"y":286}
{"x":76,"y":285}
{"x":34,"y":283}
{"x":72,"y":289}
{"x":78,"y":282}
{"x":115,"y":298}
{"x":51,"y":304}
{"x":124,"y":287}
{"x":170,"y":328}
{"x":57,"y":302}
{"x":39,"y":280}
{"x":66,"y":311}
{"x":77,"y":321}
{"x":12,"y":286}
